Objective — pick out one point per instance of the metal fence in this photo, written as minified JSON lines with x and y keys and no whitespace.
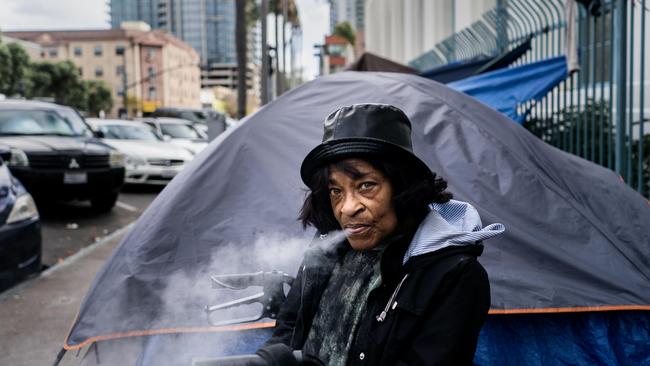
{"x":599,"y":111}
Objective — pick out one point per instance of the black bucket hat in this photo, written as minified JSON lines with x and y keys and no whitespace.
{"x":365,"y":130}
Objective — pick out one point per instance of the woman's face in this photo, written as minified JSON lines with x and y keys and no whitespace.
{"x":362,"y":203}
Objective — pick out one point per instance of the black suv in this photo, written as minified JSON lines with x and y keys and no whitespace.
{"x":56,"y":155}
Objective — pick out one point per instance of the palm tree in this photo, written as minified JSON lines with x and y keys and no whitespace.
{"x":289,"y":12}
{"x":345,"y":31}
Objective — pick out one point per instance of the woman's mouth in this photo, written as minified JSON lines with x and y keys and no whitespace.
{"x":352,"y":230}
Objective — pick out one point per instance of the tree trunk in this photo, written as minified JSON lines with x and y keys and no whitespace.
{"x":240,"y":35}
{"x":278,"y":81}
{"x":285,"y":13}
{"x":265,"y":53}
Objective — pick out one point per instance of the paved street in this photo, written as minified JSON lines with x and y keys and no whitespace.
{"x":36,"y":315}
{"x":69,"y":227}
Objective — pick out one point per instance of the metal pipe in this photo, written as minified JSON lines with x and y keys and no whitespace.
{"x":639,"y":183}
{"x":585,"y":130}
{"x":620,"y":73}
{"x":601,"y":117}
{"x":592,"y":76}
{"x":610,"y":127}
{"x":630,"y":126}
{"x":517,"y":28}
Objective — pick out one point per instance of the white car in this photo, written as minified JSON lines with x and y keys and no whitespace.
{"x":149,"y":159}
{"x":180,"y":132}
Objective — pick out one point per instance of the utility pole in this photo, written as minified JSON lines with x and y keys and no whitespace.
{"x":240,"y":35}
{"x":264,"y":10}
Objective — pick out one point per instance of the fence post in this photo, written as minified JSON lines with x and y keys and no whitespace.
{"x":620,"y":75}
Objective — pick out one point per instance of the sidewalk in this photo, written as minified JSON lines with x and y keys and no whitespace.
{"x":36,"y":315}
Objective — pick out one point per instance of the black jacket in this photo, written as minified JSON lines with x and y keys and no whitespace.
{"x":434,"y":319}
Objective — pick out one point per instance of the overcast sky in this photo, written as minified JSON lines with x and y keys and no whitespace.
{"x":93,"y":14}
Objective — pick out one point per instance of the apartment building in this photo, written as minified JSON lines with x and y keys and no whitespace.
{"x":145,"y":69}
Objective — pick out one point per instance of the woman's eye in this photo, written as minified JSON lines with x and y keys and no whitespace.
{"x":367,"y":185}
{"x":334,"y":191}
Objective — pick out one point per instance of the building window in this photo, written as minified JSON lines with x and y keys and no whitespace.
{"x":120,"y":90}
{"x":98,"y":50}
{"x":77,"y":51}
{"x":152,"y":93}
{"x":151,"y":52}
{"x":151,"y":71}
{"x":119,"y":50}
{"x":119,"y":69}
{"x":53,"y":52}
{"x":99,"y":72}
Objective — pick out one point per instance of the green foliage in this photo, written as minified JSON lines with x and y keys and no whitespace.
{"x":99,"y":97}
{"x":345,"y":31}
{"x":19,"y":61}
{"x":60,"y":81}
{"x":5,"y":68}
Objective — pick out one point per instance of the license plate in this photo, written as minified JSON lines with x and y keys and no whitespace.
{"x":75,"y":178}
{"x":168,"y":173}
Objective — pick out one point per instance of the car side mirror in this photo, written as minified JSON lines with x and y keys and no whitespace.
{"x":99,"y":134}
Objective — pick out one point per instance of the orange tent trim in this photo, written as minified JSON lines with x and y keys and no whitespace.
{"x":579,"y":309}
{"x":139,"y":333}
{"x":271,"y":324}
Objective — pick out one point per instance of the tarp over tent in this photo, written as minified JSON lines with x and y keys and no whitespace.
{"x":507,"y":89}
{"x":459,"y":70}
{"x":577,"y":237}
{"x":370,"y":62}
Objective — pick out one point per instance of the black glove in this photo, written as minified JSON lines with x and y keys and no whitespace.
{"x":245,"y":360}
{"x":278,"y":354}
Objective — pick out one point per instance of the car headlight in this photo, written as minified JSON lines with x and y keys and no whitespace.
{"x":24,"y":208}
{"x":18,"y":158}
{"x":116,"y":159}
{"x":135,"y":161}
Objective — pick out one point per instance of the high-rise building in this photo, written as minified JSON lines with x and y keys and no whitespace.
{"x":206,"y":25}
{"x":346,"y":11}
{"x":351,"y":11}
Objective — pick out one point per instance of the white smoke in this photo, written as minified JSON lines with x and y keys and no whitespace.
{"x":187,"y":293}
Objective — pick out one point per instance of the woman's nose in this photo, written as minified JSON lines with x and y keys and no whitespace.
{"x":351,"y":205}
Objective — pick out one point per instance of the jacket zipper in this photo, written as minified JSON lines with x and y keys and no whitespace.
{"x":381,"y":317}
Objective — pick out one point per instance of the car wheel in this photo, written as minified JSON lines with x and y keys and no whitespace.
{"x":103,"y":203}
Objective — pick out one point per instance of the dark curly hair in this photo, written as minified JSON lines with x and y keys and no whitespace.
{"x":413,"y":191}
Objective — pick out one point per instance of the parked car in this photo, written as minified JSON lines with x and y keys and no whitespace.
{"x":20,"y":229}
{"x":207,"y":120}
{"x":180,"y":132}
{"x":149,"y":159}
{"x":56,"y":156}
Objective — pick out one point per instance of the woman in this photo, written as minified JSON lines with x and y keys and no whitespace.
{"x":404,"y":287}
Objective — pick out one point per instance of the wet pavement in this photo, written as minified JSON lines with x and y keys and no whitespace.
{"x":36,"y":315}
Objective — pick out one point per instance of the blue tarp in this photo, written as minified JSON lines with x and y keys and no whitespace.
{"x":506,"y":89}
{"x":457,"y":70}
{"x":585,"y":338}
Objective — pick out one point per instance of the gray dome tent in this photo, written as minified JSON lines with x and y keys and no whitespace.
{"x":577,"y":239}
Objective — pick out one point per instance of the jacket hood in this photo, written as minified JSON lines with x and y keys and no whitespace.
{"x":454,"y":223}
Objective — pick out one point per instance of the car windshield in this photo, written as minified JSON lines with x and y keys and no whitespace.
{"x":180,"y":131}
{"x":42,"y":122}
{"x":122,"y":132}
{"x":194,"y":116}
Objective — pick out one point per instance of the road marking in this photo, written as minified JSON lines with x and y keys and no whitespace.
{"x":126,"y":206}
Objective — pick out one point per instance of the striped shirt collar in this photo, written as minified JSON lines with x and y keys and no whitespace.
{"x":454,"y":223}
